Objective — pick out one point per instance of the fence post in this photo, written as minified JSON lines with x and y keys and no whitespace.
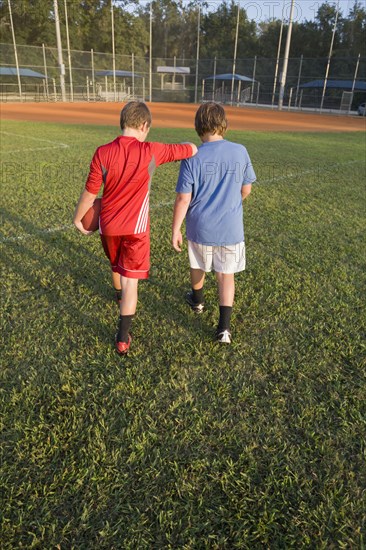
{"x":133,"y":74}
{"x":93,"y":78}
{"x":87,"y":89}
{"x":289,"y":99}
{"x":45,"y":70}
{"x":252,"y":87}
{"x":354,"y":81}
{"x":214,"y":80}
{"x":54,"y":89}
{"x":298,"y":79}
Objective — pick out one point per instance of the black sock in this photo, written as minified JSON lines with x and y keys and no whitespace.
{"x":225,"y":316}
{"x":197,"y":295}
{"x":118,"y":292}
{"x":124,"y":325}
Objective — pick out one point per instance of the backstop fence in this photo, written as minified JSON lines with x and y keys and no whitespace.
{"x":96,"y":76}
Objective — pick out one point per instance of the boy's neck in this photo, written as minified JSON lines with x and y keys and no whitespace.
{"x":211,"y":137}
{"x":139,"y":133}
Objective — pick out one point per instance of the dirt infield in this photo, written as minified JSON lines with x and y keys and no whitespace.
{"x":181,"y":115}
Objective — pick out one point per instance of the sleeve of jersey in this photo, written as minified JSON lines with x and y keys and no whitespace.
{"x":95,"y":177}
{"x":249,"y":174}
{"x":169,"y":152}
{"x":185,"y":179}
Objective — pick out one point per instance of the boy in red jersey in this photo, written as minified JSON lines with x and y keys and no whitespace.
{"x":125,"y":168}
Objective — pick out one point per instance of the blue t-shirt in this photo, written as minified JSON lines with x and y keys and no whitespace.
{"x":215,"y":176}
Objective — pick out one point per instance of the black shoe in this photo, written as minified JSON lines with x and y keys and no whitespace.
{"x":196,"y":307}
{"x":223,"y":336}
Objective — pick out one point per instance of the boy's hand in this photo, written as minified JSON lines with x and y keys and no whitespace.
{"x":177,"y":241}
{"x":80,"y":227}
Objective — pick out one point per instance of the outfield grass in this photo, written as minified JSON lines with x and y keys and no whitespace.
{"x":184,"y":444}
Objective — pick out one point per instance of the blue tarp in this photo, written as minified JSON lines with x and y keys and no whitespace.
{"x":360,"y":86}
{"x":229,"y":76}
{"x":12,"y":71}
{"x":118,"y":73}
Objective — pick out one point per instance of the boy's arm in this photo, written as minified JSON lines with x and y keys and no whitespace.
{"x":180,"y":210}
{"x":85,"y":202}
{"x":245,"y":190}
{"x":88,"y":196}
{"x":172,"y":152}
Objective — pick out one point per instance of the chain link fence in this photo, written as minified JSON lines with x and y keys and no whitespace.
{"x":90,"y":77}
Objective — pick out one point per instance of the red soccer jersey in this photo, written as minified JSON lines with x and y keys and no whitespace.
{"x":126,"y":166}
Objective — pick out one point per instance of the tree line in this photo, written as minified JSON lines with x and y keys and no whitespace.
{"x":175,"y":29}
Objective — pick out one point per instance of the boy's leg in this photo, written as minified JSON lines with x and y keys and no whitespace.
{"x":226,"y":287}
{"x":197,"y":281}
{"x":116,"y":280}
{"x":127,"y":307}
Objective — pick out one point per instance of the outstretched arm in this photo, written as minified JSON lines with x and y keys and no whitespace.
{"x":85,"y":202}
{"x":180,"y":210}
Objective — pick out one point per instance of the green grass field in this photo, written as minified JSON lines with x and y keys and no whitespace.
{"x":184,"y":444}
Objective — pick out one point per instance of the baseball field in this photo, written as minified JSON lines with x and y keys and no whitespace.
{"x":184,"y":444}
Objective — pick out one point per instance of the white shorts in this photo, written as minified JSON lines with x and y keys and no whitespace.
{"x":222,"y":259}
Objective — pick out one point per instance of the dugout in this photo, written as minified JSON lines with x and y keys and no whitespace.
{"x":173,"y":78}
{"x":230,"y":88}
{"x":339,"y":94}
{"x":129,"y":85}
{"x":35,"y":85}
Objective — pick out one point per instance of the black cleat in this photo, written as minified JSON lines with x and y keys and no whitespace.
{"x":196,"y":307}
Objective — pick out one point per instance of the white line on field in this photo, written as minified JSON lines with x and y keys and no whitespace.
{"x":161,"y":205}
{"x":55,"y":144}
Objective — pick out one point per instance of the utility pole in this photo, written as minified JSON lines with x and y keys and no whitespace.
{"x":59,"y":51}
{"x":286,"y":56}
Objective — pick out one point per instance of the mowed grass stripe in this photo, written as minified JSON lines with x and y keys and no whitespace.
{"x":184,"y":444}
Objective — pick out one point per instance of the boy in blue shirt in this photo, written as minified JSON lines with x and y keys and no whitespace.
{"x":210,"y":190}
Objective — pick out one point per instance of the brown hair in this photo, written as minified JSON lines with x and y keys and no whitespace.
{"x":134,"y":114}
{"x":210,"y":119}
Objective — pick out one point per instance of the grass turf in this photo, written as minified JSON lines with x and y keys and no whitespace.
{"x":183,"y":444}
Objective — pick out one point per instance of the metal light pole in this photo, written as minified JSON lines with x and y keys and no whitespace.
{"x":329,"y":58}
{"x":113,"y":53}
{"x":69,"y":52}
{"x":278,"y":55}
{"x":354,"y":81}
{"x":197,"y":53}
{"x":150,"y":55}
{"x":285,"y":60}
{"x":235,"y":52}
{"x":15,"y":51}
{"x":59,"y":51}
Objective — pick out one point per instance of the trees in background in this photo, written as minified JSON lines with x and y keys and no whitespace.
{"x":175,"y":28}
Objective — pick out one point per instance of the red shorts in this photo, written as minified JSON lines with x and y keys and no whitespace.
{"x":129,"y":255}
